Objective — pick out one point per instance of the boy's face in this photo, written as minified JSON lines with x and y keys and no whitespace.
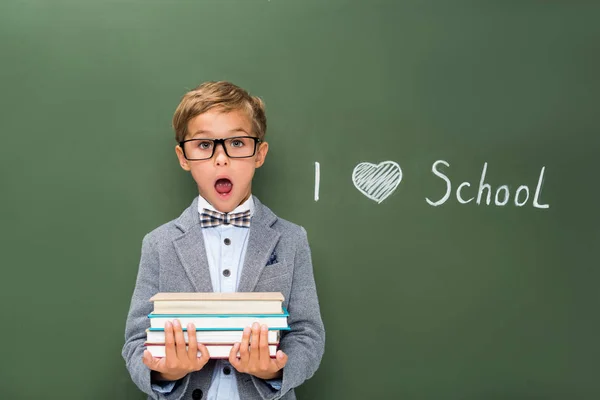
{"x":223,"y":181}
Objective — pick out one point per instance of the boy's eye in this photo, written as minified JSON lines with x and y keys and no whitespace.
{"x":237,"y":143}
{"x":205,"y":145}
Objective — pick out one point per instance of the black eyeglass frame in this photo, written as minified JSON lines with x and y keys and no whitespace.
{"x":222,"y":142}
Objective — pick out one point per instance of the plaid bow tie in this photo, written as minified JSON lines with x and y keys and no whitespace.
{"x":210,"y":218}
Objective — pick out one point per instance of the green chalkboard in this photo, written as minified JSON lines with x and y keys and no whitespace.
{"x":379,"y":112}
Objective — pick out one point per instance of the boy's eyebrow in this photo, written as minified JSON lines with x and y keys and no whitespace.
{"x":236,"y":130}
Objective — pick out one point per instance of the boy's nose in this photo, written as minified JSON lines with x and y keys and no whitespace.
{"x":220,"y":156}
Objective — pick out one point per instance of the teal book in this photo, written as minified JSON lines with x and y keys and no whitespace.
{"x":222,"y":321}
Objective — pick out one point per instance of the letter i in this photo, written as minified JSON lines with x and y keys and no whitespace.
{"x":317,"y":180}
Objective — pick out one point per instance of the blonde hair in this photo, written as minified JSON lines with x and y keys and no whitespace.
{"x":223,"y":95}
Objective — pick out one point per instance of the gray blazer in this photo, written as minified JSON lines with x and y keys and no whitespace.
{"x":278,"y":258}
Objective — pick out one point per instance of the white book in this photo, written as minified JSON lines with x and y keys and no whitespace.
{"x":209,"y":337}
{"x":218,"y":303}
{"x":215,"y":350}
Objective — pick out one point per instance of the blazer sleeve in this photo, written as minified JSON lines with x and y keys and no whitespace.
{"x":304,"y":344}
{"x":146,"y":286}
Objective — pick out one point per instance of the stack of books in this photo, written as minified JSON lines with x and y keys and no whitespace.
{"x":219,"y":318}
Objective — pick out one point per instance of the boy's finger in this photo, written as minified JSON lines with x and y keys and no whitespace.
{"x":179,"y":339}
{"x":244,"y":356}
{"x":233,"y":359}
{"x":204,"y":356}
{"x":149,"y":361}
{"x":280,"y":359}
{"x":192,"y":343}
{"x":264,"y":356}
{"x":254,"y":353}
{"x":170,"y":352}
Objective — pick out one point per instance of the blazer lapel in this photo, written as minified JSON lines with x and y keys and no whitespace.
{"x":261,"y":243}
{"x":191,"y":250}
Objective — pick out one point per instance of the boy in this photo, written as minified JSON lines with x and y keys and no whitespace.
{"x":225,"y":241}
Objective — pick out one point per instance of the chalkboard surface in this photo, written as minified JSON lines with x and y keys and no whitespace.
{"x":442,"y":156}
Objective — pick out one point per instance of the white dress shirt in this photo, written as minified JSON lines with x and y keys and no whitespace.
{"x":225,"y":249}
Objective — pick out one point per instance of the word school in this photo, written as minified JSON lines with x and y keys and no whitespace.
{"x":501,"y":196}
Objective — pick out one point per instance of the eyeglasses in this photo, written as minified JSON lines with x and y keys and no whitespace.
{"x":235,"y":147}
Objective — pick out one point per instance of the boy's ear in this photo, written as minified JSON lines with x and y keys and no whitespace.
{"x":261,"y":154}
{"x":182,"y":161}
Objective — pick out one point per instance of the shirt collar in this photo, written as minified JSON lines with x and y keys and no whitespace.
{"x":246,"y":205}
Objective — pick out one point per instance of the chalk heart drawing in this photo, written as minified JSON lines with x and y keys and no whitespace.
{"x":377,"y":181}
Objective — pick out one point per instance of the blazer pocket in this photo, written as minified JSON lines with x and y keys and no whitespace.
{"x":274,"y":270}
{"x":275,"y":278}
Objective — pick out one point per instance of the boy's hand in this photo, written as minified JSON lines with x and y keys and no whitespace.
{"x":257,"y":360}
{"x":178,"y":361}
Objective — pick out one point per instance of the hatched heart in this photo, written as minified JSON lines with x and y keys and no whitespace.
{"x":377,"y":181}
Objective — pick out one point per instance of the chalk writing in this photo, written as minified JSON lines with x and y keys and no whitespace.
{"x":501,"y":197}
{"x":317,"y":180}
{"x":377,"y":182}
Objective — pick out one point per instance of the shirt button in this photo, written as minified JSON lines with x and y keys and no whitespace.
{"x":227,"y":241}
{"x":197,"y":394}
{"x":226,"y":273}
{"x":226,"y":370}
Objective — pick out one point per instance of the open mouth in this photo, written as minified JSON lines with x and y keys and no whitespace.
{"x":223,"y":186}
